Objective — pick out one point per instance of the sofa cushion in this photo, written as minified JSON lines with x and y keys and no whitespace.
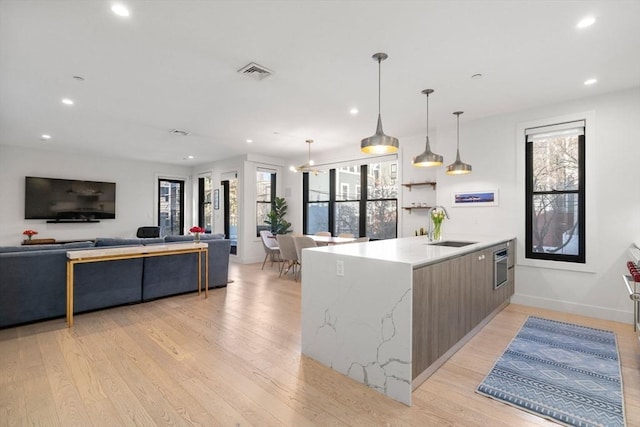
{"x":189,"y":238}
{"x":78,"y":245}
{"x":116,"y":241}
{"x":31,"y":248}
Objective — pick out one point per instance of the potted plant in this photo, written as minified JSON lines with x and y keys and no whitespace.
{"x":275,"y":218}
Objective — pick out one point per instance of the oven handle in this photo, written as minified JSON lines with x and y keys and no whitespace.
{"x":634,"y":296}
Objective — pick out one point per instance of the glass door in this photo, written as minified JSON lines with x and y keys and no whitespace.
{"x":170,"y":206}
{"x":230,"y":202}
{"x":205,"y":207}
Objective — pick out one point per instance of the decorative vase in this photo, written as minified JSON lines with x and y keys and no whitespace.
{"x":437,"y":231}
{"x":196,"y":238}
{"x":29,"y":237}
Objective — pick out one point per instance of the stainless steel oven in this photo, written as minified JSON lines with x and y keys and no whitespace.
{"x":500,"y":267}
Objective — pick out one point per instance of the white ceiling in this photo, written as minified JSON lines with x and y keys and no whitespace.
{"x":173,"y":64}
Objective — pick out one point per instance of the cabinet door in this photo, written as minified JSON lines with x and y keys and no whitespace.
{"x":441,"y":314}
{"x":481,"y":282}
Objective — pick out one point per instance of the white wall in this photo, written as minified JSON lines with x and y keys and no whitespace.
{"x":136,"y":191}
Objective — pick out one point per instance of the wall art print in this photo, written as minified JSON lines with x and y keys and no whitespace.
{"x":475,"y":198}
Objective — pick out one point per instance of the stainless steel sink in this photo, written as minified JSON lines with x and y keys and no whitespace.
{"x":452,"y":243}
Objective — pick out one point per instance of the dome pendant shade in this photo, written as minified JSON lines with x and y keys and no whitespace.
{"x":428,"y":158}
{"x":458,"y":167}
{"x":379,"y":143}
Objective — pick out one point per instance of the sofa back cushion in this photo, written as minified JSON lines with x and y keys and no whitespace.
{"x":31,"y":248}
{"x":189,"y":238}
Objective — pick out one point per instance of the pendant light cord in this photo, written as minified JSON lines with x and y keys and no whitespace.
{"x":427,"y":115}
{"x":458,"y":133}
{"x":379,"y":86}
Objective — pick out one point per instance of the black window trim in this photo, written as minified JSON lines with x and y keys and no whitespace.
{"x":581,"y":192}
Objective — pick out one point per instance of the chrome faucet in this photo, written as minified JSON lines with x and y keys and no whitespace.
{"x":429,"y":230}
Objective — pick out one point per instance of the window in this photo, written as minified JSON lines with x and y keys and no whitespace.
{"x":382,"y":201}
{"x":555,"y":192}
{"x":361,"y":200}
{"x":265,"y":197}
{"x":346,"y":205}
{"x":316,"y":202}
{"x":170,"y":207}
{"x":205,"y":207}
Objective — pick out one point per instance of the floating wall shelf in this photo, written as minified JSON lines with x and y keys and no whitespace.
{"x":417,"y":184}
{"x":410,"y":208}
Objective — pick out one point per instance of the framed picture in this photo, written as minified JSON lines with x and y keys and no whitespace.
{"x":216,"y":199}
{"x":474,"y":198}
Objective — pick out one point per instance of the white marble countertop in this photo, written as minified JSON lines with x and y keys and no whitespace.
{"x":416,"y":251}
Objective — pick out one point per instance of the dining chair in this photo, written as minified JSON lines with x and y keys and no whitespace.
{"x":347,"y":235}
{"x":148,"y":231}
{"x":301,"y":243}
{"x":271,"y":248}
{"x":288,"y":253}
{"x":323,"y":233}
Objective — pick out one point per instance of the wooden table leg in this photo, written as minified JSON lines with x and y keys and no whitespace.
{"x":206,"y":273}
{"x":69,"y":294}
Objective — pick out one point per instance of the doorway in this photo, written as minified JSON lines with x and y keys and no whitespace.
{"x":170,"y":206}
{"x":230,"y":203}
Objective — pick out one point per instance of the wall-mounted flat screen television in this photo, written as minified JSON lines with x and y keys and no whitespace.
{"x":69,"y":200}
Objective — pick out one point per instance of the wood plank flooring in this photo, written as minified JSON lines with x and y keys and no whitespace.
{"x":234,"y":360}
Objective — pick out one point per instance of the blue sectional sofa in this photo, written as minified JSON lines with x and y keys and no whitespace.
{"x":33,"y":278}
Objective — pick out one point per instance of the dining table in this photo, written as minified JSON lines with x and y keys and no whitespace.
{"x":331,"y":240}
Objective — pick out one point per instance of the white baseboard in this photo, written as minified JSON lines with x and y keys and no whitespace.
{"x":621,"y":316}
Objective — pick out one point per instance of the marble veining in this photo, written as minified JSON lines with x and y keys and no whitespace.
{"x":374,"y":374}
{"x":357,"y":319}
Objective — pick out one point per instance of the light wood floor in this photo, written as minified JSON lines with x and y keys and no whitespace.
{"x":234,"y":360}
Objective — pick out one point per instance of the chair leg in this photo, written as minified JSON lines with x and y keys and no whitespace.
{"x":286,"y":263}
{"x":265,"y":260}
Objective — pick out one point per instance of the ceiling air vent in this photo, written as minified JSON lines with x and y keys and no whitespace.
{"x":179,"y":132}
{"x":255,"y":71}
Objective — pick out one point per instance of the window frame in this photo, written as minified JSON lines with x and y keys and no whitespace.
{"x":591,"y":220}
{"x":335,"y":199}
{"x":272,"y":197}
{"x":531,"y":193}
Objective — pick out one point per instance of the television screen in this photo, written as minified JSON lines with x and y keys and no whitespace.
{"x":65,"y":199}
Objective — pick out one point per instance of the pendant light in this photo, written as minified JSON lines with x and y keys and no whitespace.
{"x":379,"y":143}
{"x":428,"y":158}
{"x":307,"y":167}
{"x":457,"y":167}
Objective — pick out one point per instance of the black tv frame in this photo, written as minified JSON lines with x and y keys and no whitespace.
{"x":77,"y":213}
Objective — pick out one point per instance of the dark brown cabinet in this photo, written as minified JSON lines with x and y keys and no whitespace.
{"x":450,"y":299}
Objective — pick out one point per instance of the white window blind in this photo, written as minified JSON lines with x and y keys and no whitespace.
{"x":561,"y":129}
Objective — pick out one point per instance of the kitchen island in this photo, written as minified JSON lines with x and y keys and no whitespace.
{"x":389,"y":313}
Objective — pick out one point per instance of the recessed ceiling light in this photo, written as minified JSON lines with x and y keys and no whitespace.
{"x":67,"y":101}
{"x":353,"y":111}
{"x":586,"y":22}
{"x":249,"y":141}
{"x":589,"y":82}
{"x":189,"y":157}
{"x":45,"y":137}
{"x":120,"y":10}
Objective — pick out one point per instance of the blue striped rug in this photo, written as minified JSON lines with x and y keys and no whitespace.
{"x":567,"y":373}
